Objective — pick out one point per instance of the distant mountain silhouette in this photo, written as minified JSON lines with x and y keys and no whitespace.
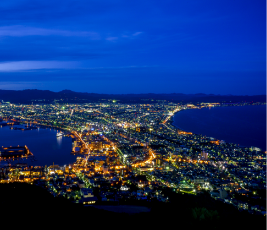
{"x":68,"y":96}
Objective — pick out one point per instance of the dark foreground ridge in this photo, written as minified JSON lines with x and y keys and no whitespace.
{"x":68,"y":96}
{"x":29,"y":204}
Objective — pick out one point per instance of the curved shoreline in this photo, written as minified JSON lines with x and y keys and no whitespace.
{"x":45,"y":151}
{"x":171,"y":123}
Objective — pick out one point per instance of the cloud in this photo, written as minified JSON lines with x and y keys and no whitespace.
{"x":112,"y":38}
{"x":137,"y":33}
{"x":21,"y":31}
{"x":131,"y":36}
{"x":17,"y":85}
{"x":49,"y":48}
{"x":34,"y":65}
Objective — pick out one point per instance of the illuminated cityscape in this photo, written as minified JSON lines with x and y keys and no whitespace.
{"x":130,"y":151}
{"x":133,"y":114}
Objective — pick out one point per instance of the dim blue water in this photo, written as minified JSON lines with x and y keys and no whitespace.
{"x":43,"y":143}
{"x":243,"y":125}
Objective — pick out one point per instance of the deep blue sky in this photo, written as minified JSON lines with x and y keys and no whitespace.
{"x":135,"y":46}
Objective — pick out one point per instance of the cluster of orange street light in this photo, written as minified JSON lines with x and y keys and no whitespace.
{"x":151,"y":157}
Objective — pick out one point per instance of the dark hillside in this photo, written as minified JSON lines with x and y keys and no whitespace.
{"x":67,"y":96}
{"x":28,"y":205}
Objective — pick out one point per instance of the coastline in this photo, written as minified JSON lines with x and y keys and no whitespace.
{"x":171,"y":123}
{"x":34,"y":126}
{"x":45,"y":151}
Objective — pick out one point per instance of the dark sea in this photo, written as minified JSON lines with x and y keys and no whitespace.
{"x":243,"y":125}
{"x":43,"y":143}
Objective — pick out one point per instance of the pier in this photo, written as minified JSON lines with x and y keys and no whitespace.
{"x":14,"y":152}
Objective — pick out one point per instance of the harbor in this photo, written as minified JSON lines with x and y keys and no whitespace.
{"x":45,"y":145}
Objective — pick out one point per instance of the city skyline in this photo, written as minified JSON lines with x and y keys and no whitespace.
{"x":117,"y":153}
{"x":151,"y":113}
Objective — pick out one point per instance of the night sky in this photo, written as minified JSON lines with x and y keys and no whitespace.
{"x":135,"y":46}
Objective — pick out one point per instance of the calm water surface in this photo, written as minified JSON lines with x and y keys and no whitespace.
{"x":43,"y":143}
{"x":243,"y":125}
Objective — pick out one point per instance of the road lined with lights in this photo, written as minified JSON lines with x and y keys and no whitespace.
{"x":86,"y":147}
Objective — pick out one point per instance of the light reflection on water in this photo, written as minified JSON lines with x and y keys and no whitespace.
{"x":59,"y":141}
{"x":43,"y":143}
